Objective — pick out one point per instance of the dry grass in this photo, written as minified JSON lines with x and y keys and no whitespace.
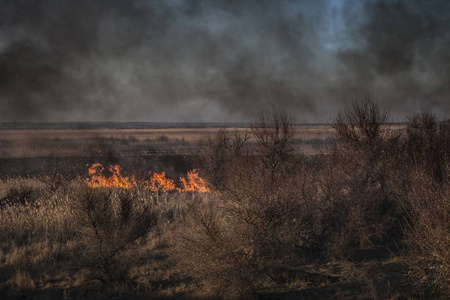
{"x":428,"y":232}
{"x":96,"y":142}
{"x":21,"y":281}
{"x":46,"y":244}
{"x":367,"y":219}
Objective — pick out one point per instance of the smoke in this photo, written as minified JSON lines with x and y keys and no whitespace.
{"x":193,"y":60}
{"x":401,"y":54}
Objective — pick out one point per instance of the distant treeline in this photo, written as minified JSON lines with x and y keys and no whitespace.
{"x":116,"y":125}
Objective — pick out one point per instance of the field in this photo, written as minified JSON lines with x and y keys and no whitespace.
{"x":272,"y":212}
{"x":72,"y":142}
{"x":33,"y":151}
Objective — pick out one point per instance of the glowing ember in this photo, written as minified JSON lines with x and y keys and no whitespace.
{"x":114,"y":181}
{"x":160,"y":182}
{"x":194,"y":183}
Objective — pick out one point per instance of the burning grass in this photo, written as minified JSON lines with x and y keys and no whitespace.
{"x":157,"y":182}
{"x":97,"y":179}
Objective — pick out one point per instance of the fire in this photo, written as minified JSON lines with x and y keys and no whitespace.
{"x":116,"y":180}
{"x":194,"y":183}
{"x":158,"y":182}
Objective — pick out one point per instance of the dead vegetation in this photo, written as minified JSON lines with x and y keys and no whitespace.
{"x":367,"y":219}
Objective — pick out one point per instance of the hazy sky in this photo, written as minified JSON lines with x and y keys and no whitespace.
{"x":193,"y":60}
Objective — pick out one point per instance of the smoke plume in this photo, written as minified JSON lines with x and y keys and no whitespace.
{"x":194,"y":60}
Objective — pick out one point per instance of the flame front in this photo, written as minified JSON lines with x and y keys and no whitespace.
{"x":114,"y":181}
{"x":158,"y":182}
{"x":194,"y":183}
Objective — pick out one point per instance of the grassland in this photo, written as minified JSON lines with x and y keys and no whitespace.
{"x":302,"y":212}
{"x":76,"y":142}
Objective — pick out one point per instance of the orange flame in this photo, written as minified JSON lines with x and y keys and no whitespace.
{"x":115,"y":181}
{"x":194,"y":183}
{"x":160,"y":182}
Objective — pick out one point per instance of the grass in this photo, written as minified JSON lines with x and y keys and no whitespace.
{"x":362,"y":220}
{"x":45,"y":249}
{"x":77,"y":142}
{"x":44,"y":252}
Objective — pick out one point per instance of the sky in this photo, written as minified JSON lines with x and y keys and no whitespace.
{"x":220,"y":61}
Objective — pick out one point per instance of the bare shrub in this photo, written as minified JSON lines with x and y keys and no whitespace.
{"x":362,"y":126}
{"x":428,"y":143}
{"x":274,"y":136}
{"x":247,"y":235}
{"x":220,"y":151}
{"x":428,"y":230}
{"x":111,"y":221}
{"x":425,"y":201}
{"x":359,"y":169}
{"x":261,"y":220}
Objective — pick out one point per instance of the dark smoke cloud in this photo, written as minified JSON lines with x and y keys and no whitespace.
{"x":401,"y":54}
{"x":193,"y":60}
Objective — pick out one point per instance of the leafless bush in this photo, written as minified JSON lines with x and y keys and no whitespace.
{"x":261,"y":220}
{"x":274,"y":136}
{"x":428,"y":230}
{"x":111,"y":221}
{"x":354,"y":215}
{"x":428,"y":143}
{"x":221,"y":149}
{"x":245,"y":237}
{"x":359,"y":169}
{"x":362,"y":126}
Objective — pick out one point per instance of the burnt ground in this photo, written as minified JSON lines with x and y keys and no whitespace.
{"x":70,"y":167}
